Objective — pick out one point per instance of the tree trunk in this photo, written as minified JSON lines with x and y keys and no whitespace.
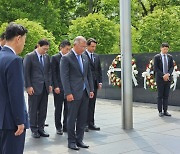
{"x":90,"y":6}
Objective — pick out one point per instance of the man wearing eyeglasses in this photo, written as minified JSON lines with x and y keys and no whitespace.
{"x":37,"y":73}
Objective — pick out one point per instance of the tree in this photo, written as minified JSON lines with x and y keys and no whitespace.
{"x":160,"y":26}
{"x":35,"y":33}
{"x":143,"y":8}
{"x":96,"y":26}
{"x":44,"y":12}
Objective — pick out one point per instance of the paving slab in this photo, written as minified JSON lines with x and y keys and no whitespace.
{"x":151,"y":134}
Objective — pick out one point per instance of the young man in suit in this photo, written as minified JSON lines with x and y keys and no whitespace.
{"x":77,"y":82}
{"x":58,"y":91}
{"x":163,"y":68}
{"x":13,"y":113}
{"x":37,"y":73}
{"x":2,"y":40}
{"x":97,"y":80}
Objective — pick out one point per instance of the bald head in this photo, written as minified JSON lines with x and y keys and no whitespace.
{"x":79,"y":45}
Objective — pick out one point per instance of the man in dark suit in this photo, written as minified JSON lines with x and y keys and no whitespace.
{"x":97,"y":80}
{"x":163,"y":68}
{"x":77,"y":82}
{"x":37,"y":73}
{"x":13,"y":113}
{"x":2,"y":40}
{"x":58,"y":91}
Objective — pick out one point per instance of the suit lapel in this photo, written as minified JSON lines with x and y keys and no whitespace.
{"x":91,"y":62}
{"x":75,"y":61}
{"x":37,"y":60}
{"x":84,"y":64}
{"x":168,"y":61}
{"x":45,"y":62}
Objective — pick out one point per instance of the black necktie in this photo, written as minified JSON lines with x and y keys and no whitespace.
{"x":165,"y":65}
{"x":41,"y":61}
{"x":92,"y":58}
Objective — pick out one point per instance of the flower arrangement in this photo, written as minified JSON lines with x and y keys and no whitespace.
{"x":114,"y":79}
{"x":149,"y":78}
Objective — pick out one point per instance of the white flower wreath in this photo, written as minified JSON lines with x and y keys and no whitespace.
{"x":149,"y":79}
{"x":116,"y":67}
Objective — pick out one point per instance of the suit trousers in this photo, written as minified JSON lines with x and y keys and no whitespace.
{"x":11,"y":144}
{"x":163,"y":94}
{"x":77,"y":117}
{"x":38,"y":110}
{"x":91,"y":107}
{"x":59,"y":102}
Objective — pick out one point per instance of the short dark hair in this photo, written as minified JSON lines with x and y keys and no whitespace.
{"x":164,"y":45}
{"x":2,"y":36}
{"x":91,"y":40}
{"x":64,"y":44}
{"x":43,"y":42}
{"x":14,"y":30}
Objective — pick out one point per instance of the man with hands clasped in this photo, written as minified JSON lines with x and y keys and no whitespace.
{"x":95,"y":66}
{"x":163,"y":68}
{"x":60,"y":102}
{"x":37,"y":72}
{"x":77,"y":83}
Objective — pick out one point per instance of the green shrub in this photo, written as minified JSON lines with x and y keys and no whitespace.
{"x":35,"y":33}
{"x":97,"y":26}
{"x":160,"y":26}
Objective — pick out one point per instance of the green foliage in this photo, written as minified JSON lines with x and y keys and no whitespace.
{"x":160,"y":26}
{"x":56,"y":16}
{"x":35,"y":33}
{"x":97,"y":26}
{"x":45,"y":12}
{"x":134,"y":36}
{"x":135,"y":46}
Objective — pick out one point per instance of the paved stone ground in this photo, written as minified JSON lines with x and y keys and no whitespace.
{"x":151,"y":134}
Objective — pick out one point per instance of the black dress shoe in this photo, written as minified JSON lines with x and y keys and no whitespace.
{"x":82,"y":145}
{"x":59,"y":131}
{"x":73,"y":146}
{"x":167,"y":114}
{"x":35,"y":135}
{"x":94,"y":127}
{"x":86,"y":129}
{"x":43,"y":133}
{"x":161,"y":114}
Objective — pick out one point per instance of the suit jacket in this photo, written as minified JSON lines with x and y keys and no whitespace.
{"x":95,"y":68}
{"x":158,"y":67}
{"x":72,"y":78}
{"x":37,"y":76}
{"x":12,"y":104}
{"x":55,"y":66}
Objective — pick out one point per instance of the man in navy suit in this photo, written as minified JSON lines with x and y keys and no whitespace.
{"x":2,"y":40}
{"x":58,"y":91}
{"x":13,"y":113}
{"x":163,"y":68}
{"x":77,"y":82}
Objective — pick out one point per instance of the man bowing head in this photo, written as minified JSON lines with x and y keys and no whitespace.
{"x":78,"y":88}
{"x":13,"y":113}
